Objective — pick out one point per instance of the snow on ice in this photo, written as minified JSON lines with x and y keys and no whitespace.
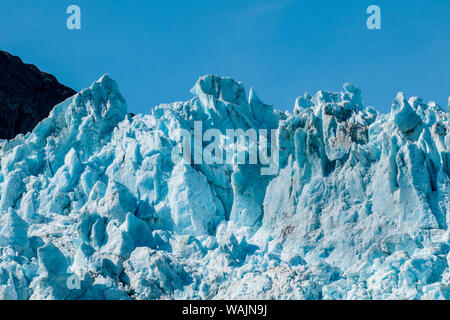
{"x":93,"y":207}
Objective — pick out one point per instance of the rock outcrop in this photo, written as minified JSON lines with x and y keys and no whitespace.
{"x":26,"y":95}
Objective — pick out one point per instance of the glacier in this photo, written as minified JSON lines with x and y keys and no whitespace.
{"x":93,"y":207}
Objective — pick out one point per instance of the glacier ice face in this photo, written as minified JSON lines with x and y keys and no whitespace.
{"x":93,"y":207}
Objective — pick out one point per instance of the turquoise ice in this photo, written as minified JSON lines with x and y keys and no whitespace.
{"x":92,"y":206}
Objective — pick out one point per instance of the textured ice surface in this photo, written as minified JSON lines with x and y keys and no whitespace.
{"x":92,"y":206}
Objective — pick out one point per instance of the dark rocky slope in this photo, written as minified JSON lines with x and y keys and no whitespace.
{"x":26,"y":95}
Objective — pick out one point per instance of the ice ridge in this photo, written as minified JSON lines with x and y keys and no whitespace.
{"x":93,"y":207}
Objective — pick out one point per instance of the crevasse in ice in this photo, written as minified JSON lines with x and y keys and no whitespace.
{"x":93,"y":207}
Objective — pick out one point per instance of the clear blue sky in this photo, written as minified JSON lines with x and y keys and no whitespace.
{"x":157,"y":49}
